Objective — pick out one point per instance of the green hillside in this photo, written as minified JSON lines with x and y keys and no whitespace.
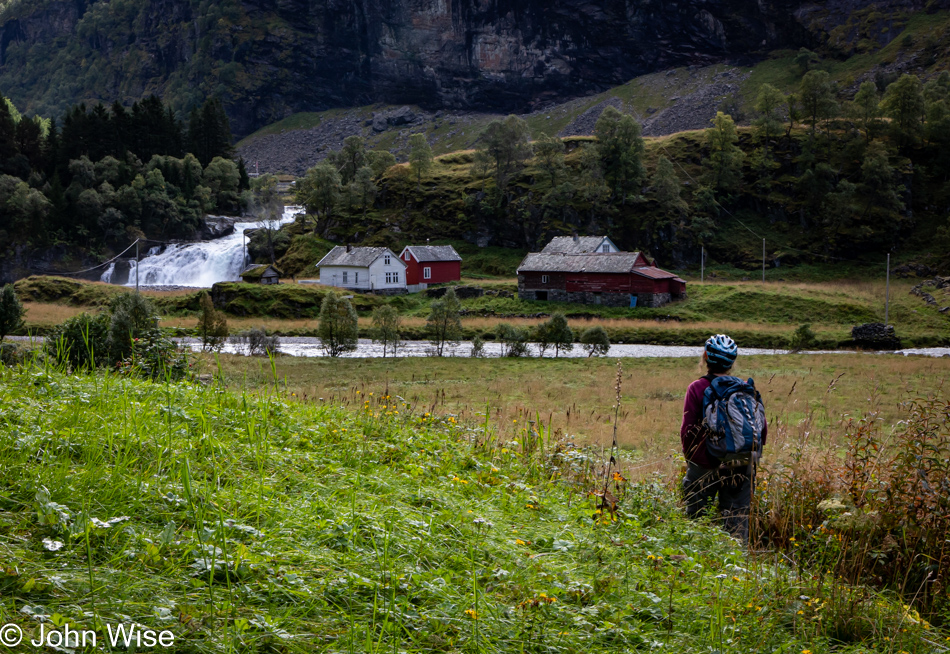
{"x":254,"y":522}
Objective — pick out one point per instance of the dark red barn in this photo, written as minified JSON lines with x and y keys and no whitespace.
{"x":431,"y":264}
{"x":617,"y":279}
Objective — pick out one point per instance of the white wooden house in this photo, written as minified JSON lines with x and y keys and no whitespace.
{"x":363,"y":269}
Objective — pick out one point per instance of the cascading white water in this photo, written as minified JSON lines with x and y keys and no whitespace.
{"x":199,"y":264}
{"x":107,"y":275}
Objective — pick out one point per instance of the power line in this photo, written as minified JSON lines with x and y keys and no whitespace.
{"x":104,"y":263}
{"x":753,"y":232}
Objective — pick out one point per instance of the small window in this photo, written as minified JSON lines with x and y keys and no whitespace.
{"x":345,"y":276}
{"x":407,"y":255}
{"x":386,"y":259}
{"x":395,"y":278}
{"x":356,"y":278}
{"x":427,"y":273}
{"x":605,"y":248}
{"x":544,"y":279}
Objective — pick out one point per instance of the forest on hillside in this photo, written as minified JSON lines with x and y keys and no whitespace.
{"x":102,"y":177}
{"x":824,"y":178}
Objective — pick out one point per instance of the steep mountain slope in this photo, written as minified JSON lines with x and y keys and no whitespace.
{"x":269,"y":58}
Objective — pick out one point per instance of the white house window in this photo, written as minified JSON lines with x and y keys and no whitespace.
{"x":427,"y":273}
{"x":356,"y":278}
{"x":345,"y":276}
{"x":605,"y":248}
{"x":407,"y":255}
{"x":544,"y":279}
{"x":386,"y":259}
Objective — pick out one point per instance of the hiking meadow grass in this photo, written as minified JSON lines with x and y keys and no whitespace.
{"x":246,"y":517}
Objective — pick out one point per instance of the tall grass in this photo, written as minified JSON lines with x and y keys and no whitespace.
{"x":260,"y":522}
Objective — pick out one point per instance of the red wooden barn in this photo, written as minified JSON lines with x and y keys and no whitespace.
{"x":430,"y":264}
{"x":618,"y":279}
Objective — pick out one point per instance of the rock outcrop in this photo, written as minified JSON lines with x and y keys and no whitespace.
{"x":269,"y":58}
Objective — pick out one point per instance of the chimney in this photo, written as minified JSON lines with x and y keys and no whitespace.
{"x":349,"y":247}
{"x":427,"y":242}
{"x":576,"y":238}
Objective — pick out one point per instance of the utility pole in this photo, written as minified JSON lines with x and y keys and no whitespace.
{"x":763,"y":260}
{"x":702,"y":265}
{"x":136,"y":265}
{"x":887,"y":290}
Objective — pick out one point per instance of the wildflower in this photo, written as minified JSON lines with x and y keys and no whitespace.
{"x":518,"y":541}
{"x":806,"y":651}
{"x":734,"y":578}
{"x":471,"y":614}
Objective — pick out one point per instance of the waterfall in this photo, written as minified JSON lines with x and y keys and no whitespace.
{"x":107,"y":275}
{"x":199,"y":264}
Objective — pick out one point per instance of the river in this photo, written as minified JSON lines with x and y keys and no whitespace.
{"x":302,"y":346}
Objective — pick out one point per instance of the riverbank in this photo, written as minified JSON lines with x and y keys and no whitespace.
{"x":755,"y":314}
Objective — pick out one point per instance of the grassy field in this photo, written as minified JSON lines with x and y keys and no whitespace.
{"x":756,"y":314}
{"x":575,"y":397}
{"x":259,"y":521}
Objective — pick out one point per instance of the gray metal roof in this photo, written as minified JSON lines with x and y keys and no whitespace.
{"x":433,"y":253}
{"x":570,"y":245}
{"x":359,"y":257}
{"x":614,"y":262}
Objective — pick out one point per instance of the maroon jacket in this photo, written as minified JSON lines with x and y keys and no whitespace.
{"x":693,"y":434}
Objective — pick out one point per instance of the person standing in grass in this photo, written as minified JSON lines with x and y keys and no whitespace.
{"x":723,"y":431}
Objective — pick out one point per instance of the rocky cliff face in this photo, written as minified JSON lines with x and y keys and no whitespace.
{"x":269,"y":58}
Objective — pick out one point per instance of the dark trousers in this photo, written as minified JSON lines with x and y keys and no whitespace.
{"x":732,"y":487}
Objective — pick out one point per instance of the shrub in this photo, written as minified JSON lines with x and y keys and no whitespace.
{"x":478,"y":346}
{"x":11,"y":311}
{"x":155,"y":356}
{"x":514,"y":340}
{"x":338,"y":325}
{"x":802,"y":338}
{"x":131,"y":316}
{"x":212,"y":325}
{"x":595,"y":341}
{"x":80,"y":342}
{"x":257,"y":343}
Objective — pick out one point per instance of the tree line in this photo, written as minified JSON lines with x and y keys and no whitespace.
{"x":845,"y":174}
{"x":103,"y":176}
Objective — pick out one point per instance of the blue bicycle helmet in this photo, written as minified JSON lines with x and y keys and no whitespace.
{"x":721,"y":351}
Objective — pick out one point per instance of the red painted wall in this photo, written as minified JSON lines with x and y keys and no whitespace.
{"x":442,"y":271}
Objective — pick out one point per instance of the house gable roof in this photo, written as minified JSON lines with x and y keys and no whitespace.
{"x":615,"y":262}
{"x":258,"y":270}
{"x":426,"y":253}
{"x":359,"y":257}
{"x":577,"y":245}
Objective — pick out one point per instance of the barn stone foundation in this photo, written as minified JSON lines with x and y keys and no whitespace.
{"x":649,"y":300}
